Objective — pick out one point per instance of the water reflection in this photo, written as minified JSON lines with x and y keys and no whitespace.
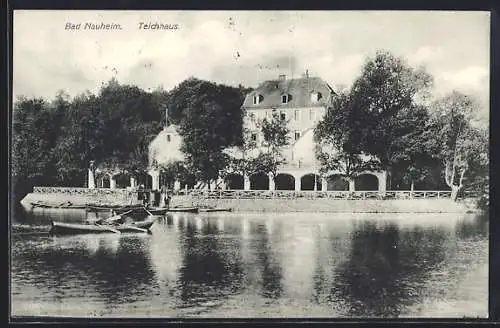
{"x":252,"y":265}
{"x":387,"y":267}
{"x":270,"y":267}
{"x":211,"y":266}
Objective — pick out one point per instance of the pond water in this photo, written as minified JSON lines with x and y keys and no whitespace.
{"x":234,"y":265}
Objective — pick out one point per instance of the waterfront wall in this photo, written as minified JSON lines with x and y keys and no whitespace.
{"x":329,"y":205}
{"x":82,"y":196}
{"x":79,"y":196}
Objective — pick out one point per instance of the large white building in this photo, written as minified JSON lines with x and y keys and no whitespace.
{"x":302,"y":102}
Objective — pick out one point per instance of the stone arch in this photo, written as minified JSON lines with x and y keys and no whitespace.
{"x":166,"y":180}
{"x":284,"y":181}
{"x":337,"y":182}
{"x":122,"y":180}
{"x":105,"y":181}
{"x":366,"y":182}
{"x":307,"y":182}
{"x":144,"y":179}
{"x":259,"y":181}
{"x":234,"y":181}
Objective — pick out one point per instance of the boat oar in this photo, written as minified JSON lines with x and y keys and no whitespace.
{"x":127,"y":212}
{"x":151,"y":214}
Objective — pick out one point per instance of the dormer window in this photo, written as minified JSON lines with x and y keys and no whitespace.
{"x":316,"y":96}
{"x":285,"y":99}
{"x":257,"y":99}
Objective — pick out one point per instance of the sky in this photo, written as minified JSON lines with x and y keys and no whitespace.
{"x":243,"y":47}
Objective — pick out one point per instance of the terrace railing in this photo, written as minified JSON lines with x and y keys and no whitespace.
{"x":79,"y":191}
{"x":291,"y":194}
{"x":265,"y":194}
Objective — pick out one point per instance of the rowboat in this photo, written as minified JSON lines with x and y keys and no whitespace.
{"x":117,"y":208}
{"x":81,"y":207}
{"x":157,"y":210}
{"x":61,"y":228}
{"x":61,"y":205}
{"x":184,"y":209}
{"x":124,"y":228}
{"x":216,"y":209}
{"x":128,"y":209}
{"x":118,"y":221}
{"x":40,"y":204}
{"x":146,"y":224}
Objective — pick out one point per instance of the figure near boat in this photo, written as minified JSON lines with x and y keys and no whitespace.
{"x":166,"y":196}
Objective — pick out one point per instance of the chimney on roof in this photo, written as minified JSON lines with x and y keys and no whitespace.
{"x":282,"y":77}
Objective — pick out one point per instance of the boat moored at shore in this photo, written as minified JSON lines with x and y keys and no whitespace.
{"x":62,"y":228}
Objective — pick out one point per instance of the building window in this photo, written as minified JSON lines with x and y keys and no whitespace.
{"x":297,"y":135}
{"x":283,"y":116}
{"x":286,"y":98}
{"x":312,"y":115}
{"x":254,"y":137}
{"x":296,"y":115}
{"x":257,"y":99}
{"x":316,"y":96}
{"x":252,"y":117}
{"x":168,"y":137}
{"x":267,"y":114}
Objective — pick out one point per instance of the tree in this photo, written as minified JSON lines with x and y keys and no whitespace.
{"x":210,"y":121}
{"x":477,"y":181}
{"x":338,"y":140}
{"x":411,"y":160}
{"x":176,"y":171}
{"x":30,"y":152}
{"x":80,"y":140}
{"x":458,"y":145}
{"x":242,"y":157}
{"x":384,"y":98}
{"x":130,"y":118}
{"x":276,"y":135}
{"x":219,"y":106}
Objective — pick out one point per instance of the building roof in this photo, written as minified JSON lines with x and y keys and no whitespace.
{"x":299,"y":89}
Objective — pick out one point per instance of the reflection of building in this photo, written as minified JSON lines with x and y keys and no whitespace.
{"x":298,"y":256}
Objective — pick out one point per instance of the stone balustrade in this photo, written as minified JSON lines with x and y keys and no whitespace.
{"x":291,"y":194}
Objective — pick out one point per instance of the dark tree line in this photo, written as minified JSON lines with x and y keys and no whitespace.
{"x":54,"y":141}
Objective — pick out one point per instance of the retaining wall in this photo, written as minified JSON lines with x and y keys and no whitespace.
{"x":81,"y":196}
{"x":329,"y":205}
